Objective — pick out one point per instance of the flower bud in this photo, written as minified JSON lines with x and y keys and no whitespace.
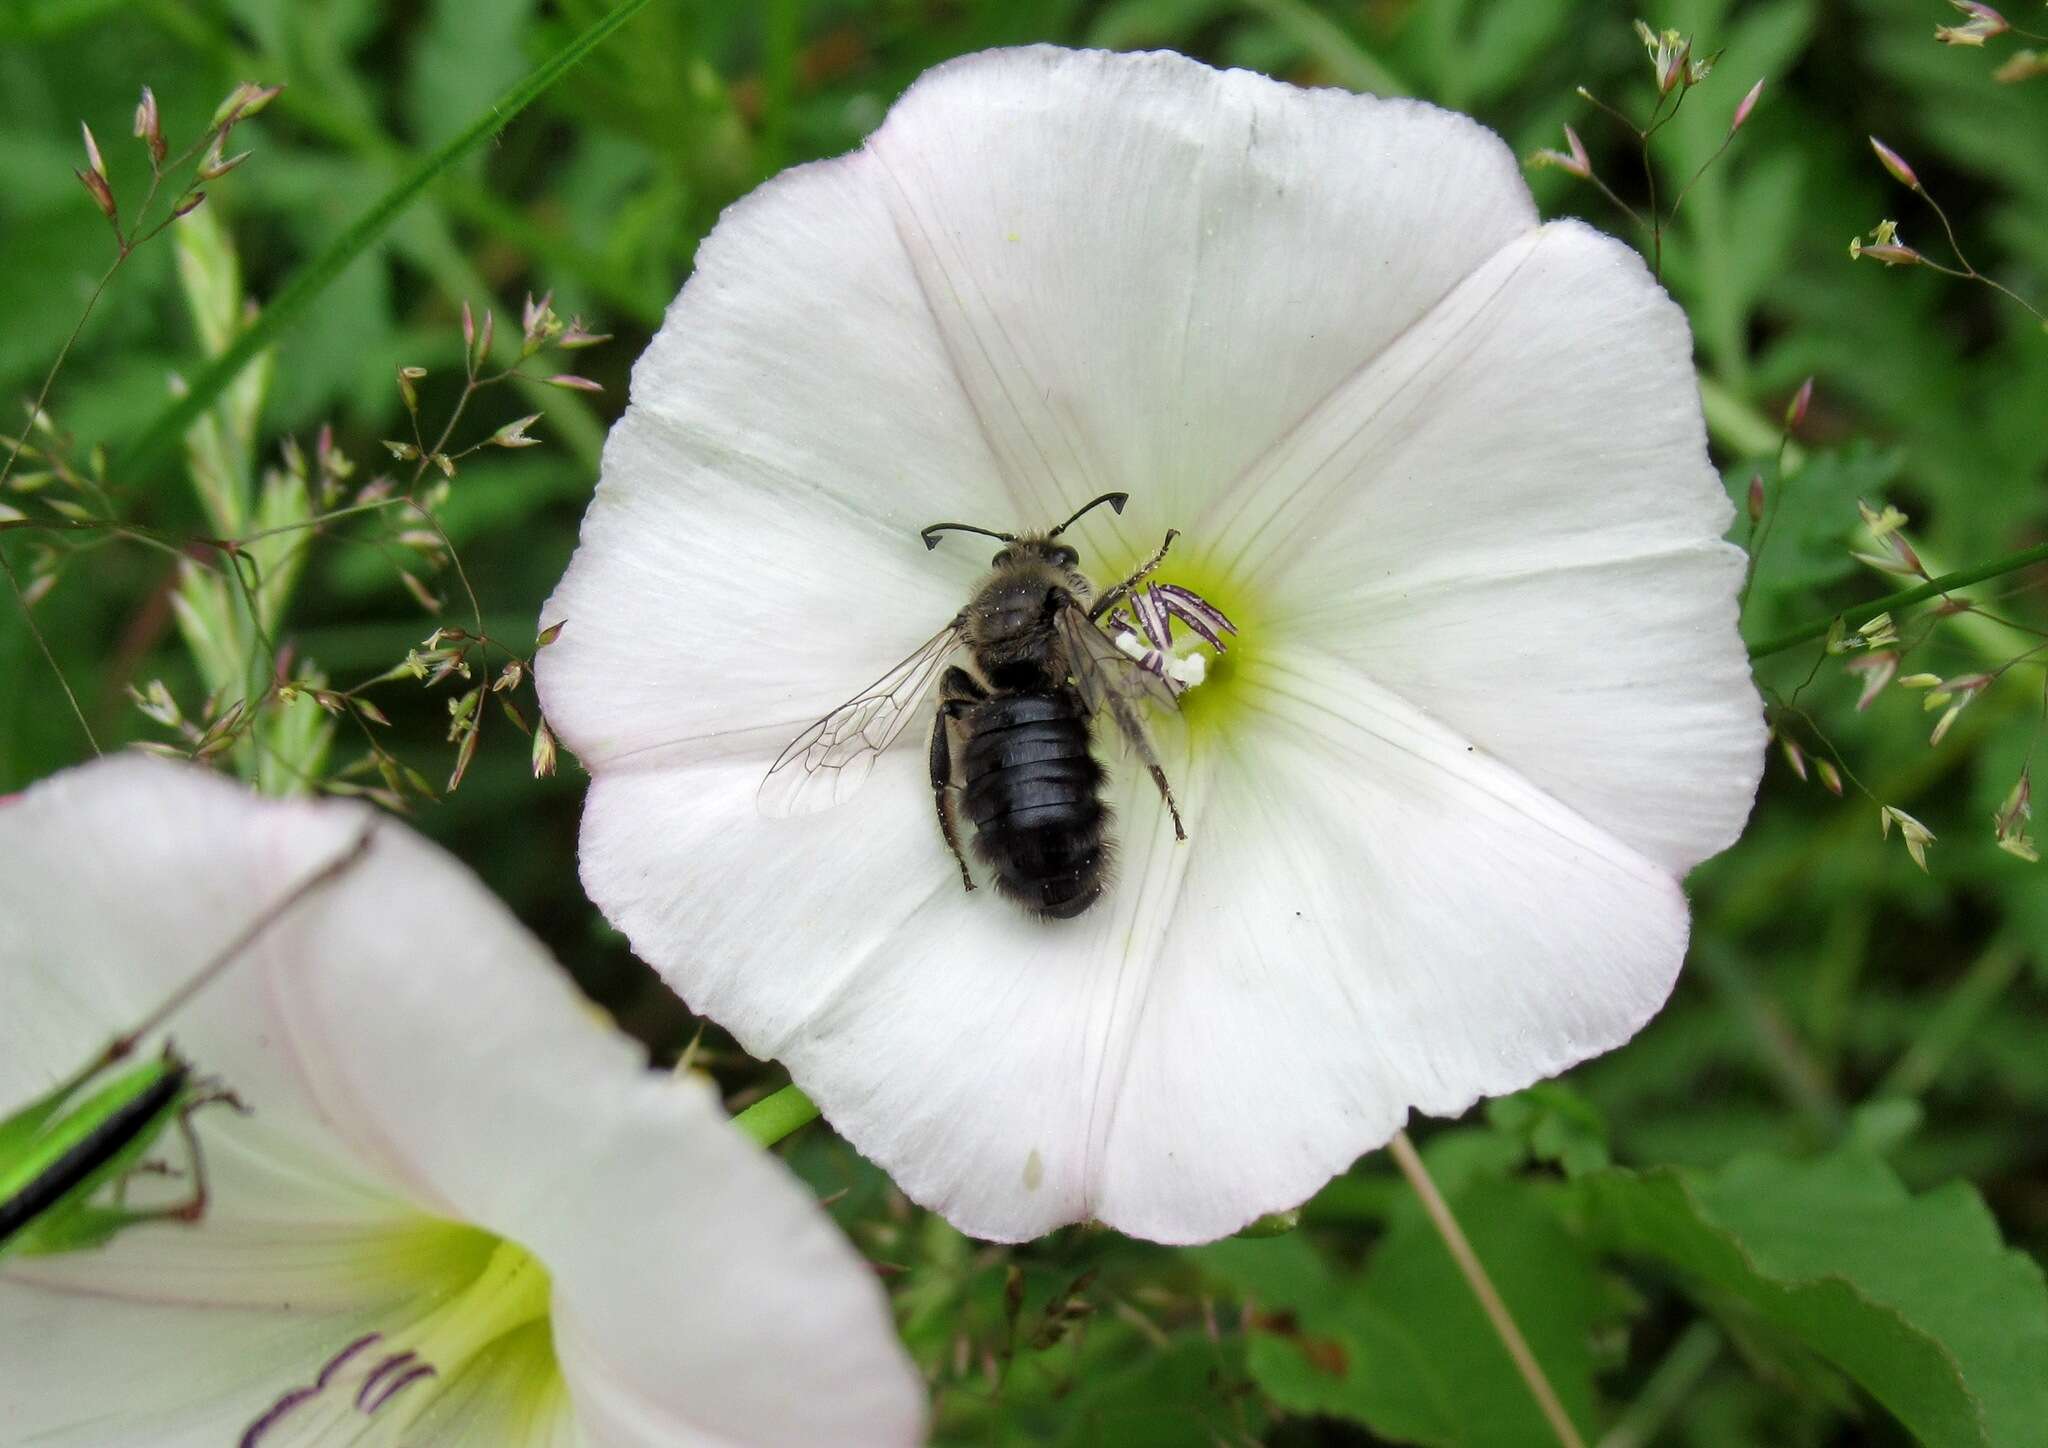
{"x":102,"y":194}
{"x":573,"y":382}
{"x":1878,"y":669}
{"x":578,"y":335}
{"x":1895,"y":163}
{"x":1888,"y":252}
{"x":1748,"y":104}
{"x":2021,"y":65}
{"x":149,"y":126}
{"x":245,"y":100}
{"x":1575,"y":163}
{"x":513,"y":434}
{"x":92,"y":152}
{"x":214,"y":166}
{"x":1916,"y":835}
{"x":1756,"y":497}
{"x":1795,"y":411}
{"x":1982,"y":23}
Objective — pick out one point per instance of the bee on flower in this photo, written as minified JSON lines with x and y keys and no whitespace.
{"x":1439,"y":467}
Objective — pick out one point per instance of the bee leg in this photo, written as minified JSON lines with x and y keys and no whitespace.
{"x":958,"y":692}
{"x":1166,"y":793}
{"x":1116,"y":595}
{"x":1133,"y":730}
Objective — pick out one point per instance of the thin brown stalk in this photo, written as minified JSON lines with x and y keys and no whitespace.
{"x":1410,"y":1161}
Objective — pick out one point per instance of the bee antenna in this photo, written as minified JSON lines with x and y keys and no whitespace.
{"x":931,"y":540}
{"x":1116,"y":502}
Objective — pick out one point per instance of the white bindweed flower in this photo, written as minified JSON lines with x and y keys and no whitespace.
{"x":1442,"y":465}
{"x":458,"y":1211}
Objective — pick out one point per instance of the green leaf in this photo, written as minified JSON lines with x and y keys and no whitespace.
{"x":1915,"y":1298}
{"x":170,"y":424}
{"x":1189,"y":1392}
{"x":1405,"y":1349}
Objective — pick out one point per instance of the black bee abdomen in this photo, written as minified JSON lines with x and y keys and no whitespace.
{"x":1033,"y":790}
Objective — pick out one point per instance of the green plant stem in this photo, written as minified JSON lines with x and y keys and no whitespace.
{"x":1904,"y":598}
{"x":297,"y":294}
{"x":1670,"y":1384}
{"x":774,"y":1117}
{"x":1439,"y":1211}
{"x":1800,"y":1078}
{"x":1953,"y":1020}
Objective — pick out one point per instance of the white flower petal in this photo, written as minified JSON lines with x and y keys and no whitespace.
{"x":111,"y":1374}
{"x":796,"y":419}
{"x":1398,"y":918}
{"x":435,"y":1058}
{"x":1377,"y":916}
{"x":1509,"y":520}
{"x":1049,"y":274}
{"x":946,"y":1035}
{"x":760,"y":1328}
{"x":1145,"y":268}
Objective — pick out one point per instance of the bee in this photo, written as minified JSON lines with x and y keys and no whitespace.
{"x":1010,"y":741}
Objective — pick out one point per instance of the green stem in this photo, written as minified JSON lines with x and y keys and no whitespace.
{"x":1669,"y":1387}
{"x":1800,"y":1078}
{"x":1962,"y":1008}
{"x":1904,"y":598}
{"x":312,"y":279}
{"x":774,"y":1117}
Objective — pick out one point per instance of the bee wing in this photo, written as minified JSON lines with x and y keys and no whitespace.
{"x":1107,"y":676}
{"x":828,"y":762}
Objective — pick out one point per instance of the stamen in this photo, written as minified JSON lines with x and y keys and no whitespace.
{"x":340,"y":1360}
{"x":253,"y":1434}
{"x":1153,"y":610}
{"x":399,"y":1384}
{"x":1152,"y":617}
{"x":396,"y":1360}
{"x":1204,"y":617}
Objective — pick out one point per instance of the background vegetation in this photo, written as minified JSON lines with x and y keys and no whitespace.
{"x":1775,"y":1218}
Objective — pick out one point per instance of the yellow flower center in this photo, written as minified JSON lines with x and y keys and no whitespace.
{"x":473,"y":1328}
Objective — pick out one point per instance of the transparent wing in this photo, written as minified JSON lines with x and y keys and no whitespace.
{"x":1107,"y":677}
{"x":829,"y":761}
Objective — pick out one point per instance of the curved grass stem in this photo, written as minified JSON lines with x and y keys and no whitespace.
{"x":163,"y":432}
{"x":1410,"y":1161}
{"x":1904,"y":598}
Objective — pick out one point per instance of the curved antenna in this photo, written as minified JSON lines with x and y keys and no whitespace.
{"x":1116,"y":503}
{"x":931,"y":542}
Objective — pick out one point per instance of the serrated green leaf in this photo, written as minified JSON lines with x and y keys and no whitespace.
{"x":1915,"y":1298}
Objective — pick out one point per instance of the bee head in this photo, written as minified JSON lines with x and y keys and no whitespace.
{"x":1037,"y":550}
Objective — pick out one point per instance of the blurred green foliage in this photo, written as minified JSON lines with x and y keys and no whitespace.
{"x":1775,"y":1218}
